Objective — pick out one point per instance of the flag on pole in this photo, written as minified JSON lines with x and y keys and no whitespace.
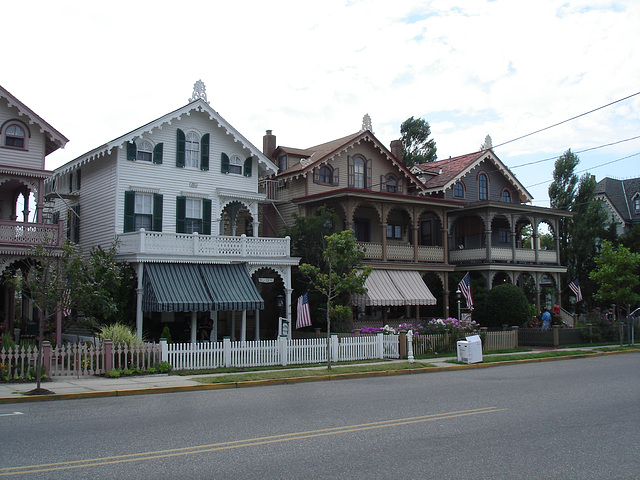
{"x":575,"y":288}
{"x":304,"y":313}
{"x":465,"y":288}
{"x":66,"y":302}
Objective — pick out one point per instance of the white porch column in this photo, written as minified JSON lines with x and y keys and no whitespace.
{"x":139,"y":294}
{"x":194,"y":326}
{"x":243,"y":330}
{"x":214,"y":331}
{"x":287,"y":294}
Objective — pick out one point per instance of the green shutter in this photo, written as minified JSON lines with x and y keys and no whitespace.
{"x":181,"y":147}
{"x":76,"y":224}
{"x":204,"y":152}
{"x":181,"y":213}
{"x":224,"y":165}
{"x":368,"y":180}
{"x":132,"y":151}
{"x":206,"y":216}
{"x":156,"y":223}
{"x":157,"y":153}
{"x":336,"y":176}
{"x":383,"y":183}
{"x":129,"y":211}
{"x":248,"y":166}
{"x":350,"y":171}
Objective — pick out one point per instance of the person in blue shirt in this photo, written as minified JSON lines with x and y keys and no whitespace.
{"x":546,"y":319}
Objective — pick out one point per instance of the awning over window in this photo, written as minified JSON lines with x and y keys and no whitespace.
{"x":178,"y":287}
{"x":394,"y":288}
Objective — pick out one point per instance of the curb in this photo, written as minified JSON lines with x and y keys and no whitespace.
{"x":286,"y":381}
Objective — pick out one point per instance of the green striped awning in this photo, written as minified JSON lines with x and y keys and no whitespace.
{"x":178,"y":287}
{"x":231,"y":287}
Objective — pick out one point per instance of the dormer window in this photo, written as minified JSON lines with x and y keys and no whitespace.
{"x":144,"y":152}
{"x":506,"y":196}
{"x":282,"y":163}
{"x":458,"y":190}
{"x":14,"y":136}
{"x":636,"y":204}
{"x":483,"y":187}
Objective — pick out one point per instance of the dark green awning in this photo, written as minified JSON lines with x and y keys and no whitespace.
{"x":231,"y":287}
{"x":179,"y":287}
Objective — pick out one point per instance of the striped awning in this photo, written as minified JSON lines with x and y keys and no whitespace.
{"x":394,"y":288}
{"x":178,"y":287}
{"x":231,"y":287}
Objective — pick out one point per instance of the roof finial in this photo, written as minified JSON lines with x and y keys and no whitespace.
{"x":366,"y":123}
{"x":488,"y":144}
{"x":199,"y":91}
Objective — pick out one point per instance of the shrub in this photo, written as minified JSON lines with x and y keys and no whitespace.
{"x":113,"y":374}
{"x":507,"y":305}
{"x":119,"y":333}
{"x":164,"y":367}
{"x":166,"y":333}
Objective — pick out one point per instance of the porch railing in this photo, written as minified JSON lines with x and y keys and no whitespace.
{"x":30,"y":234}
{"x":499,"y":254}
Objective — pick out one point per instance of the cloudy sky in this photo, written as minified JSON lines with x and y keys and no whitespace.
{"x":309,"y":71}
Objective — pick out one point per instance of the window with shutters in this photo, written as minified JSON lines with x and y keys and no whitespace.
{"x":325,"y":175}
{"x":359,"y":174}
{"x":192,"y":150}
{"x":144,"y":151}
{"x":235,"y":164}
{"x":143,"y":212}
{"x":193,"y":215}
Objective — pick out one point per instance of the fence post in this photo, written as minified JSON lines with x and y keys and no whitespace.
{"x":556,"y":335}
{"x":46,"y":357}
{"x":164,"y":350}
{"x":226,"y":351}
{"x":380,"y":343}
{"x":515,"y":330}
{"x":410,"y":346}
{"x":335,"y":348}
{"x":282,"y":344}
{"x":402,"y":347}
{"x":107,"y":351}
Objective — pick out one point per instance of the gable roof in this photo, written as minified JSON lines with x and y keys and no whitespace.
{"x":443,"y":174}
{"x":325,"y":152}
{"x":53,"y":138}
{"x":198,"y":105}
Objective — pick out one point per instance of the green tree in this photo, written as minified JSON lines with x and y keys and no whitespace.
{"x":416,"y":145}
{"x":631,"y":240}
{"x":340,"y":275}
{"x":562,"y":192}
{"x":616,"y":275}
{"x":508,"y":306}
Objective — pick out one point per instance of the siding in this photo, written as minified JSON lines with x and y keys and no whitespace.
{"x":31,"y":158}
{"x":497,"y":182}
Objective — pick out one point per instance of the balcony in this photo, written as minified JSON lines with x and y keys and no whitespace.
{"x":23,"y":235}
{"x":182,"y":244}
{"x":405,"y":253}
{"x":503,"y":255}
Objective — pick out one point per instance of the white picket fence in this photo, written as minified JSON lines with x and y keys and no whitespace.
{"x":195,"y":356}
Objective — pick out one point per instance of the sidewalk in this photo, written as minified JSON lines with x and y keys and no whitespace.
{"x":65,"y":388}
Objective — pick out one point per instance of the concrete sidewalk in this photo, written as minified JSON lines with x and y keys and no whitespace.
{"x":65,"y":388}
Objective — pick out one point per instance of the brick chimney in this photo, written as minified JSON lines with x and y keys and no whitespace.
{"x":396,"y":149}
{"x":269,"y":144}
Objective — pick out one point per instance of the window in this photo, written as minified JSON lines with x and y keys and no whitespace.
{"x":504,"y":236}
{"x":483,"y":187}
{"x":282,"y":163}
{"x":144,"y":151}
{"x":325,"y":175}
{"x":14,"y":136}
{"x":458,"y":190}
{"x":73,"y":224}
{"x":235,"y":164}
{"x":361,"y":229}
{"x":636,"y":204}
{"x":193,"y":216}
{"x":389,"y":184}
{"x":192,"y":150}
{"x":506,"y":196}
{"x":394,"y":231}
{"x":142,"y":210}
{"x":358,"y":172}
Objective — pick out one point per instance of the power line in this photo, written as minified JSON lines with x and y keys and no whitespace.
{"x":567,"y":120}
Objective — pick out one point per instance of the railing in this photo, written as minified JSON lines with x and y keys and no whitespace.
{"x":395,"y":251}
{"x":194,"y":356}
{"x":499,"y":254}
{"x":202,"y":245}
{"x":30,"y":234}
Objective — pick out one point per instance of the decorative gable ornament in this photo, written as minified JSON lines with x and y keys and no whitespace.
{"x":488,"y":144}
{"x":199,"y":91}
{"x":366,"y":123}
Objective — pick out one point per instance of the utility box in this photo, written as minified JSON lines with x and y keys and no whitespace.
{"x":470,"y":350}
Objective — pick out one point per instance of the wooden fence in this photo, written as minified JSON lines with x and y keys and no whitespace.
{"x":445,"y":343}
{"x":77,"y":359}
{"x":194,"y":356}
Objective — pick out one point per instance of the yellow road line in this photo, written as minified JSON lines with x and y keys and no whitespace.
{"x":136,"y":457}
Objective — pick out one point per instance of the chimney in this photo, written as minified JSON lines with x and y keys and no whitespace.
{"x":269,"y":144}
{"x":396,"y":149}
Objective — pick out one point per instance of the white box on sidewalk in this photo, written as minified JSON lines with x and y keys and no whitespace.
{"x":470,"y":351}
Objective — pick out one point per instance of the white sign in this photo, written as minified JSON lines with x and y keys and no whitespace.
{"x":265,"y":280}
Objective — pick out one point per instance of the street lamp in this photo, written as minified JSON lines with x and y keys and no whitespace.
{"x":458,"y":295}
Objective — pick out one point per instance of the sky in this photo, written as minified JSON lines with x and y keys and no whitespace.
{"x":310,"y":71}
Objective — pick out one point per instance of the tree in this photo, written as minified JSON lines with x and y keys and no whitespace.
{"x":416,"y":145}
{"x":561,"y":194}
{"x":508,"y":306}
{"x":341,"y":275}
{"x":616,"y":274}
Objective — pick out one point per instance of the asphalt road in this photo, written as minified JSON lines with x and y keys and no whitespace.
{"x":572,"y":419}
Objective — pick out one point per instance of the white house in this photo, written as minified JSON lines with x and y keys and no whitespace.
{"x":181,"y":195}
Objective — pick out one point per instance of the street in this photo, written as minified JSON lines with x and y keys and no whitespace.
{"x":576,"y":419}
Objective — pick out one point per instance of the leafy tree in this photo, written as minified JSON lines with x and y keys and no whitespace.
{"x":508,"y":306}
{"x":340,"y":275}
{"x":616,"y":275}
{"x":562,"y":192}
{"x":632,"y":239}
{"x":416,"y":145}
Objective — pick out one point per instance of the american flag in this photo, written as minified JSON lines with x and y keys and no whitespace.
{"x":575,"y":288}
{"x":465,"y":288}
{"x":66,"y":302}
{"x":304,"y":313}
